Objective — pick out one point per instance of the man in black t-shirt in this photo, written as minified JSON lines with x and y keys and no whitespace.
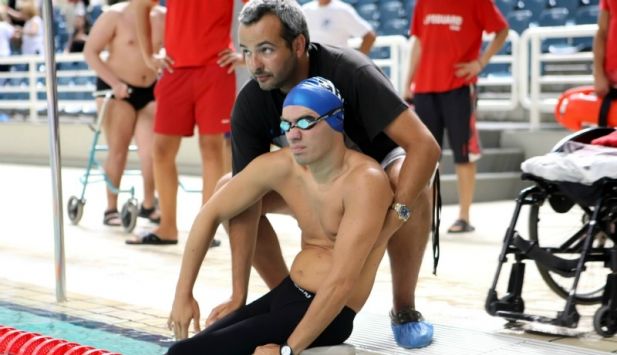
{"x":275,"y":43}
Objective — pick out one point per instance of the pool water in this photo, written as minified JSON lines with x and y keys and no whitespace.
{"x":85,"y":332}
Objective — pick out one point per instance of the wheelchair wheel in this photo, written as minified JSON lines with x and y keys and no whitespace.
{"x":75,"y":209}
{"x":128,"y":215}
{"x":605,"y":322}
{"x":563,"y":233}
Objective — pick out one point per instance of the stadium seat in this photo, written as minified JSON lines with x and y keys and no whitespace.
{"x":505,"y":6}
{"x":519,"y":20}
{"x":395,"y":26}
{"x":554,"y":17}
{"x":585,"y":15}
{"x":391,"y":9}
{"x":590,"y":2}
{"x":380,"y":53}
{"x":496,"y":70}
{"x":571,"y":5}
{"x":368,"y":11}
{"x":93,"y":13}
{"x":535,"y":6}
{"x":360,"y":2}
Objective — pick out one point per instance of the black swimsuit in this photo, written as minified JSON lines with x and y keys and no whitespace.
{"x":269,"y":320}
{"x":139,"y":97}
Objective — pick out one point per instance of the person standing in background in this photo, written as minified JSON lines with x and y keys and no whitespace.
{"x":444,"y":67}
{"x":334,"y":22}
{"x":32,"y":34}
{"x":131,"y":112}
{"x":605,"y":50}
{"x":197,"y":87}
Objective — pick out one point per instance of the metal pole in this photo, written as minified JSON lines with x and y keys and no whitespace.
{"x":54,"y":150}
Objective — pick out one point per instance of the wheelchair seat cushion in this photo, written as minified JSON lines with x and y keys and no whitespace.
{"x":576,"y":163}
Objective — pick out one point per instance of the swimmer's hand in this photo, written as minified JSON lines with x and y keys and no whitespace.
{"x":222,"y":310}
{"x":230,"y":59}
{"x":268,"y":349}
{"x":159,"y":62}
{"x":183,"y":311}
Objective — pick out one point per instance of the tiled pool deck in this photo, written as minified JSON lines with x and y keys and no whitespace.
{"x":132,"y":287}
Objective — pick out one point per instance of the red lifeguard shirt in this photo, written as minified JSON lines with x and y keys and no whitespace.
{"x":610,"y":56}
{"x":450,"y":32}
{"x":197,"y":30}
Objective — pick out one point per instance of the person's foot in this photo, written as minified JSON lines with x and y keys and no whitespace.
{"x":461,"y":226}
{"x":151,"y":213}
{"x":111,"y":217}
{"x":410,"y":330}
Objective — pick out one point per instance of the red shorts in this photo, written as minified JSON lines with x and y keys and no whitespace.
{"x":198,"y":95}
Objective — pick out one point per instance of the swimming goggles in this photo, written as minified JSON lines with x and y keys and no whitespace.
{"x":307,"y":122}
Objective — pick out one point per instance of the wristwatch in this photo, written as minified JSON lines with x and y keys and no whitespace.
{"x":402,"y":210}
{"x":286,"y":349}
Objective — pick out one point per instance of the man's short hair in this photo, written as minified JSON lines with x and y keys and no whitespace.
{"x":288,"y":12}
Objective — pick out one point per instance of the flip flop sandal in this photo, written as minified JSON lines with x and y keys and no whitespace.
{"x":147,"y":213}
{"x":112,"y":218}
{"x":461,"y":226}
{"x":151,"y":239}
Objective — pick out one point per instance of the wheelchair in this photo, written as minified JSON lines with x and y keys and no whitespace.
{"x":571,"y":239}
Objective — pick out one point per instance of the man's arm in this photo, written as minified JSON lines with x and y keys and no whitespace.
{"x":470,"y":70}
{"x":101,"y":35}
{"x":414,"y":59}
{"x":357,"y":236}
{"x":144,"y":36}
{"x":241,"y":192}
{"x":367,"y":42}
{"x":419,"y":164}
{"x":599,"y":53}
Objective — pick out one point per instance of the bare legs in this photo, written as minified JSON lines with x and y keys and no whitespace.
{"x":144,"y":137}
{"x":166,"y":178}
{"x":466,"y":183}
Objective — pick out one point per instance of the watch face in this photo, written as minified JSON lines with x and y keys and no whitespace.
{"x":404,"y":212}
{"x":285,"y":350}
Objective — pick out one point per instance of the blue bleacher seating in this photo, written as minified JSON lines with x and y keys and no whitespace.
{"x":589,"y":2}
{"x":587,"y":15}
{"x":535,"y":6}
{"x":554,"y":17}
{"x":396,"y":26}
{"x":368,"y":11}
{"x":361,"y":2}
{"x":496,"y":70}
{"x":519,"y":20}
{"x":93,"y":13}
{"x":505,"y":6}
{"x":571,"y":5}
{"x":391,"y":9}
{"x":380,"y":53}
{"x":409,"y":6}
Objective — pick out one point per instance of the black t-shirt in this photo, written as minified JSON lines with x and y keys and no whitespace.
{"x":371,"y":103}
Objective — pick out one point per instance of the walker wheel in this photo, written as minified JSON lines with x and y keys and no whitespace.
{"x":605,"y":322}
{"x":75,"y":209}
{"x":129,"y":215}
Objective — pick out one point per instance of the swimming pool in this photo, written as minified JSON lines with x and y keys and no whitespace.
{"x":85,"y":332}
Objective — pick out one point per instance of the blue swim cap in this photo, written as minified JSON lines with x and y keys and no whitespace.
{"x":319,"y":95}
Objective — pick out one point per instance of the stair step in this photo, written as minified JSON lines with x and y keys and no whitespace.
{"x":489,"y":187}
{"x":493,"y":160}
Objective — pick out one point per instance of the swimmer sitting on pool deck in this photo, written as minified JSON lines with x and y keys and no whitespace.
{"x":339,"y":197}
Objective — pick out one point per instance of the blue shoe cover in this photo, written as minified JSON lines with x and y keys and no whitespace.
{"x":412,"y":335}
